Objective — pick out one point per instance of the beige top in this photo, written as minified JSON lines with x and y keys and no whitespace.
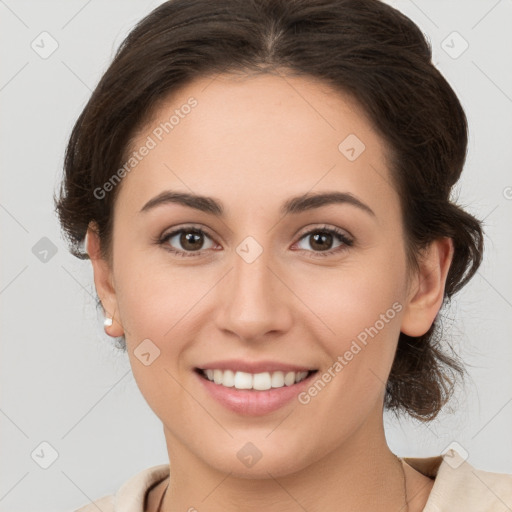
{"x":458,"y":487}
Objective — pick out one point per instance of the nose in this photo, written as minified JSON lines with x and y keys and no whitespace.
{"x":254,"y":301}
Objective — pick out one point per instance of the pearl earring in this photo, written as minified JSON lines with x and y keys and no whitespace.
{"x":107,"y":322}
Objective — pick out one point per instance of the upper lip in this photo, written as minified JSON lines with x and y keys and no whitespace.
{"x":254,"y":366}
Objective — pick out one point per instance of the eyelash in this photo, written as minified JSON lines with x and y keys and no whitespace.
{"x":342,"y":237}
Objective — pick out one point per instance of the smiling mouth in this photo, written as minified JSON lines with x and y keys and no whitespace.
{"x":253,"y":381}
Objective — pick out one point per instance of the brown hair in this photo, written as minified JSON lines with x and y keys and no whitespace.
{"x":363,"y":48}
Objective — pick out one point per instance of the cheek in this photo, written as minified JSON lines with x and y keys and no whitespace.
{"x":353,"y":297}
{"x":360,"y":307}
{"x":156,"y":307}
{"x":342,"y":309}
{"x":360,"y":312}
{"x":153,"y":294}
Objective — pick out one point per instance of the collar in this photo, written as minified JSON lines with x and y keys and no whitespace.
{"x":458,"y":486}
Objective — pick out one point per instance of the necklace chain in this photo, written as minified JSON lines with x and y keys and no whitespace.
{"x":405,"y":484}
{"x":162,"y":498}
{"x":399,"y":460}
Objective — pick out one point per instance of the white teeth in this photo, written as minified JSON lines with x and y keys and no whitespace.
{"x":277,"y":380}
{"x":289,"y":378}
{"x":242,"y":380}
{"x":262,"y":381}
{"x":257,"y":381}
{"x":228,"y":379}
{"x":217,"y":376}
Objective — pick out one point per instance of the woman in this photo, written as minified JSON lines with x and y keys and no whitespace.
{"x":263,"y":190}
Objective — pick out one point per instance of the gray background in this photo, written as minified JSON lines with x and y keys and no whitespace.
{"x":63,"y":383}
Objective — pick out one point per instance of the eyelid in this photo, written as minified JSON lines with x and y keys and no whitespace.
{"x":346,"y":238}
{"x":347,"y":241}
{"x":166,"y":235}
{"x":177,"y":229}
{"x":327,"y":227}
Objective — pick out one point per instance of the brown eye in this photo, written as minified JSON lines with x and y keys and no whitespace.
{"x":191,"y":240}
{"x":186,"y":240}
{"x":321,"y":241}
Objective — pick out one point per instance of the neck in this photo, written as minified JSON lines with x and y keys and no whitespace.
{"x":358,"y":474}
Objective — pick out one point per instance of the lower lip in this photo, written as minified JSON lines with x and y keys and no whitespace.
{"x":252,"y":402}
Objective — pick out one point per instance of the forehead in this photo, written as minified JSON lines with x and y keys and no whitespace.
{"x":257,"y":140}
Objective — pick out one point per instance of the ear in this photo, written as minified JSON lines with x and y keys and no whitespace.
{"x":103,"y":280}
{"x":426,"y":291}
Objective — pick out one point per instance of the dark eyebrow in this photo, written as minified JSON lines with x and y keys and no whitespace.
{"x":295,"y":205}
{"x":316,"y":200}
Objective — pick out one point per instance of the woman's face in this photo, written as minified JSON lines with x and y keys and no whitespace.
{"x":265,"y":280}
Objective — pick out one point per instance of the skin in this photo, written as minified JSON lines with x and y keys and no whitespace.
{"x":252,"y":142}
